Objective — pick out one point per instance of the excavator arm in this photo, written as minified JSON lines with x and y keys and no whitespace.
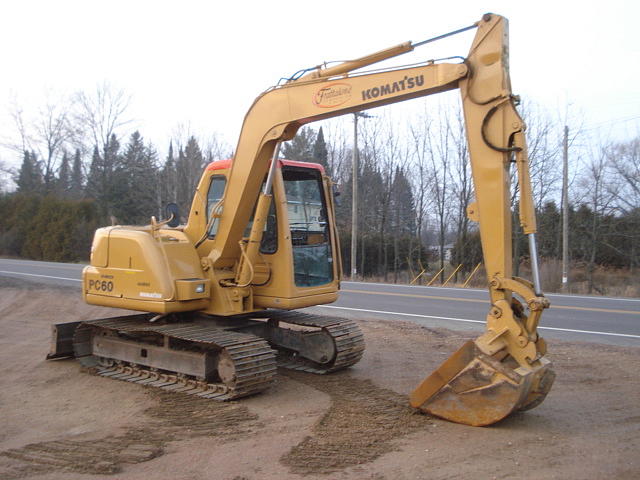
{"x":505,"y":368}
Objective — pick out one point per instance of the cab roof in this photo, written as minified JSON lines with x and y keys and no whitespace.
{"x":225,"y":164}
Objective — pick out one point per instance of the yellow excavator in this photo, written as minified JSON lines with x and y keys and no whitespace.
{"x":219,"y":294}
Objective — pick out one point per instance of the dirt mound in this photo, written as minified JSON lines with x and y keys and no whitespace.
{"x":360,"y":426}
{"x":174,"y":417}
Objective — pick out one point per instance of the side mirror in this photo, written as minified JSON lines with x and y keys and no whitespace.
{"x":173,"y":214}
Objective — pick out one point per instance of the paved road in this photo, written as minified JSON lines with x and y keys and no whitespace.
{"x":571,"y":317}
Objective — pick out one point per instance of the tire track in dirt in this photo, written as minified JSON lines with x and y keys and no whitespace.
{"x":173,"y":417}
{"x":362,"y":424}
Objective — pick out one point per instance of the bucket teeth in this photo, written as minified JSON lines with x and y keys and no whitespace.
{"x":476,"y":389}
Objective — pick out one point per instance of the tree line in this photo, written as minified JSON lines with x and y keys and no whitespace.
{"x":78,"y":172}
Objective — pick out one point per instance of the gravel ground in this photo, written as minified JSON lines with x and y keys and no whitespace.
{"x":61,"y":423}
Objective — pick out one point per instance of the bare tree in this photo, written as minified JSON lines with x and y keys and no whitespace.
{"x":394,"y":154}
{"x":6,"y":175}
{"x":54,"y":131}
{"x":462,"y":184}
{"x":381,"y":148}
{"x":432,"y":141}
{"x":544,"y":145}
{"x":47,"y":133}
{"x":23,"y":141}
{"x":599,"y":193}
{"x":624,"y":162}
{"x":214,"y":147}
{"x":102,"y":113}
{"x":339,"y":150}
{"x":421,"y":174}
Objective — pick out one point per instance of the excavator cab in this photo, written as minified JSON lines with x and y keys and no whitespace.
{"x":297,"y":262}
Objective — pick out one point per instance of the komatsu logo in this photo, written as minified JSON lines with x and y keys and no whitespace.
{"x":407,"y":83}
{"x":332,"y":95}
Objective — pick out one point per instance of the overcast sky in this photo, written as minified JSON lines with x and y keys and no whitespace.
{"x":203,"y":63}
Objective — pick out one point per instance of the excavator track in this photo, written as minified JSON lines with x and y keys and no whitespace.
{"x":220,"y":358}
{"x":346,"y":336}
{"x":247,"y":363}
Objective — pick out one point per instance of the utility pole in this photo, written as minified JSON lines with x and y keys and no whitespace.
{"x":354,"y":195}
{"x":354,"y":199}
{"x":565,"y":211}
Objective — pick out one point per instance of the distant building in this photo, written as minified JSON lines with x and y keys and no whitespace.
{"x":435,"y":251}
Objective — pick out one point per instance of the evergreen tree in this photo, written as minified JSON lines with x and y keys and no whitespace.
{"x":402,"y":204}
{"x":95,"y":180}
{"x":372,"y":217}
{"x":76,"y":181}
{"x":168,"y":178}
{"x":63,"y":182}
{"x":549,"y":230}
{"x":101,"y":182}
{"x":188,"y":172}
{"x":134,"y":183}
{"x":301,"y":147}
{"x":112,"y":157}
{"x":373,"y":213}
{"x":469,"y":253}
{"x":29,"y":176}
{"x":403,"y":220}
{"x":320,"y":153}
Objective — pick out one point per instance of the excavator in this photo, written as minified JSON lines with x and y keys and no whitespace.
{"x":218,"y":296}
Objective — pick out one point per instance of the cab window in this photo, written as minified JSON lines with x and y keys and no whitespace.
{"x":307,"y":209}
{"x":214,"y":195}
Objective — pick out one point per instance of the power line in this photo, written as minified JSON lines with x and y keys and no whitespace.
{"x":611,"y":121}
